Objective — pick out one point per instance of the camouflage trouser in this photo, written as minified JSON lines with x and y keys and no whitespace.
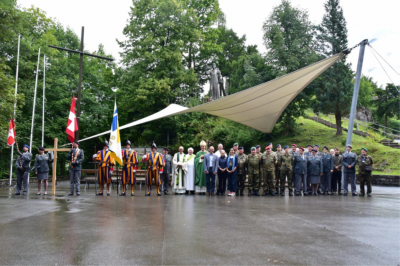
{"x":262,"y":181}
{"x":241,"y":178}
{"x":269,"y":180}
{"x":286,"y":173}
{"x":254,"y":181}
{"x":365,"y":179}
{"x":277,"y":177}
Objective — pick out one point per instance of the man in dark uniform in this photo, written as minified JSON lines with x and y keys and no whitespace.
{"x":75,"y":156}
{"x":23,"y":168}
{"x":278,"y":155}
{"x":253,"y":162}
{"x":241,"y":168}
{"x":327,"y":163}
{"x":349,"y":161}
{"x":268,"y":162}
{"x":300,"y":169}
{"x":308,"y":154}
{"x":167,"y":171}
{"x":294,"y":153}
{"x":365,"y":166}
{"x":337,"y":173}
{"x":286,"y":162}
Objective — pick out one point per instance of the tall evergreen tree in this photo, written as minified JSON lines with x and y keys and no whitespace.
{"x":289,"y":39}
{"x":334,"y":92}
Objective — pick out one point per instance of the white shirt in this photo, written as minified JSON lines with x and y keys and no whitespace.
{"x":211,"y":160}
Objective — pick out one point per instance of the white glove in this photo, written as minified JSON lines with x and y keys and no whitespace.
{"x":94,"y":156}
{"x":161,"y":172}
{"x":111,"y":172}
{"x":134,"y":171}
{"x":144,"y":157}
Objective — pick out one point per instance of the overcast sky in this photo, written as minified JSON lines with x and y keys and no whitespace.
{"x":366,"y":19}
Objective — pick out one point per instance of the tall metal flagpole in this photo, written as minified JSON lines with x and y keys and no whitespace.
{"x":355,"y":92}
{"x":355,"y":96}
{"x":15,"y":106}
{"x":44,"y":78}
{"x":34,"y":105}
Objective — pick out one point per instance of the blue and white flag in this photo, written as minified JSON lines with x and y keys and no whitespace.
{"x":115,"y":140}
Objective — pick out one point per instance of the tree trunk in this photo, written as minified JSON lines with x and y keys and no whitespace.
{"x":338,"y":118}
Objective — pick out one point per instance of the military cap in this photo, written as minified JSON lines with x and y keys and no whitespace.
{"x":279,"y":145}
{"x":316,"y":145}
{"x":41,"y":148}
{"x":314,"y":150}
{"x":166,"y":149}
{"x":25,"y":145}
{"x":286,"y":147}
{"x":253,"y":148}
{"x":76,"y":142}
{"x":365,"y":149}
{"x":326,"y":148}
{"x":258,"y":146}
{"x":269,"y":144}
{"x":294,"y":145}
{"x":349,"y":145}
{"x":309,"y":145}
{"x":235,"y":144}
{"x":240,"y":148}
{"x":301,"y":148}
{"x":267,"y":148}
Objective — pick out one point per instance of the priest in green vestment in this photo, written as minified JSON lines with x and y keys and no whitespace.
{"x":200,"y":180}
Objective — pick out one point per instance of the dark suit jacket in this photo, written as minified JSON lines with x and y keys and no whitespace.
{"x":300,"y":164}
{"x":315,"y":166}
{"x":214,"y":159}
{"x":79,"y":159}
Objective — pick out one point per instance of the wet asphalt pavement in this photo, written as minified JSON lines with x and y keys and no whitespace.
{"x":171,"y":230}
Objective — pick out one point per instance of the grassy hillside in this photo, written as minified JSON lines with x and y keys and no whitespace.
{"x":387,"y":160}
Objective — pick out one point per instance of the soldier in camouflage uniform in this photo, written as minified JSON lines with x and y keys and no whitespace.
{"x":259,"y":154}
{"x":364,"y":175}
{"x":286,"y":162}
{"x":253,"y":164}
{"x":278,"y":154}
{"x":241,"y":174}
{"x":268,"y":162}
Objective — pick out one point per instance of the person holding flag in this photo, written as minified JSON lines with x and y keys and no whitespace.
{"x":155,"y":167}
{"x":106,"y":162}
{"x":129,"y":169}
{"x":23,"y":168}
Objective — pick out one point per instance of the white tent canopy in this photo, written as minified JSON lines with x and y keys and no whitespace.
{"x":258,"y":107}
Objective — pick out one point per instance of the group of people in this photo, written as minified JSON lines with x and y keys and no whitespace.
{"x":307,"y":172}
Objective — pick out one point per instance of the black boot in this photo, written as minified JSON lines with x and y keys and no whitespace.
{"x":272,"y":192}
{"x":290,"y":192}
{"x":282,"y":192}
{"x":276,"y":191}
{"x":237,"y":193}
{"x":249,"y":193}
{"x":241,"y":192}
{"x":256,"y":193}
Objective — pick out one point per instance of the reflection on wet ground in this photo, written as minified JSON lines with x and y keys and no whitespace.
{"x":43,"y":230}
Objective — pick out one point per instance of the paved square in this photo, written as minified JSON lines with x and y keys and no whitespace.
{"x":171,"y":230}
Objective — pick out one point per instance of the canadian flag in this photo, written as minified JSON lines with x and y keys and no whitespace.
{"x":72,"y":125}
{"x":11,"y":133}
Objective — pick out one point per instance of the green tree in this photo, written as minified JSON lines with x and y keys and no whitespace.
{"x":334,"y":92}
{"x":366,"y":93}
{"x":388,"y":102}
{"x":289,"y":39}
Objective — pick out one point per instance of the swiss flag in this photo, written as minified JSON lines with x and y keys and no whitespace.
{"x":72,"y":125}
{"x":11,"y":133}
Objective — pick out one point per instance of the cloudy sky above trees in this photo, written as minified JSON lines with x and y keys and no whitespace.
{"x":366,"y":19}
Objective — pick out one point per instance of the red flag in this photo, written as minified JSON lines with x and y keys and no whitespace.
{"x":11,"y":133}
{"x":72,"y":125}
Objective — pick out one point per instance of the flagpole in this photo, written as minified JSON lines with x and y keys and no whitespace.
{"x":34,"y":105}
{"x":44,"y":78}
{"x":15,"y":106}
